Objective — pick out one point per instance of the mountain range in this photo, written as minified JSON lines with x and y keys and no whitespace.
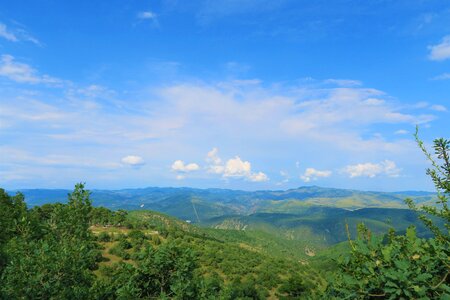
{"x":312,"y":216}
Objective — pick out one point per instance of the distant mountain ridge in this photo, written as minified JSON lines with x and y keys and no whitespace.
{"x":181,"y":202}
{"x":306,"y":216}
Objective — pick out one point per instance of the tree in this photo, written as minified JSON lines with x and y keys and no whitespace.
{"x":53,"y":258}
{"x":403,"y":266}
{"x":12,"y":221}
{"x":440,"y":175}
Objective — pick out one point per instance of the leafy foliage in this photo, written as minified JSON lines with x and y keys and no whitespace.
{"x":393,"y":267}
{"x":76,"y":251}
{"x":402,"y":266}
{"x":50,"y":259}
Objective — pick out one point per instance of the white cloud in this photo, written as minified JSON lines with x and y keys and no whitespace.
{"x":213,"y":158}
{"x":343,"y":82}
{"x":258,"y":177}
{"x":233,"y":168}
{"x":6,"y":34}
{"x":23,"y":73}
{"x":180,"y":166}
{"x":236,"y":167}
{"x":401,"y":131}
{"x":285,"y":178}
{"x":215,"y":164}
{"x":12,"y":156}
{"x":371,"y":170}
{"x":17,"y":35}
{"x":180,"y":120}
{"x":438,"y":107}
{"x":444,"y":76}
{"x":313,"y":174}
{"x":440,"y":51}
{"x":133,"y":160}
{"x":146,"y":15}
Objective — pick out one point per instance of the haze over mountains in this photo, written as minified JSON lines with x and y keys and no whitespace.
{"x":225,"y":201}
{"x":303,"y":217}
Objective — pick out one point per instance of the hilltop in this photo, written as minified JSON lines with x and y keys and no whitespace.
{"x":183,"y":202}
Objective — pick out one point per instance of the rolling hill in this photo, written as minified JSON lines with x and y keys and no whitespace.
{"x":182,"y":202}
{"x":285,"y":222}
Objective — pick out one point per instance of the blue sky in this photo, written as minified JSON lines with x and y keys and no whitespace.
{"x":233,"y":94}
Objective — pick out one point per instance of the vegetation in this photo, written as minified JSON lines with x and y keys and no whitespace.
{"x":402,"y":266}
{"x":77,"y":251}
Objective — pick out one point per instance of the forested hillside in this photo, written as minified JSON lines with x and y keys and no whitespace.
{"x":77,"y":251}
{"x":180,"y":202}
{"x":74,"y":250}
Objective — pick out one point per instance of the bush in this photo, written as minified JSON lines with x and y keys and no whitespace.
{"x":120,"y":252}
{"x":124,"y":244}
{"x":104,"y":237}
{"x":403,"y":266}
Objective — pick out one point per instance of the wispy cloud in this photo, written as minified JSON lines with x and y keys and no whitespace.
{"x":343,"y":82}
{"x":148,"y":16}
{"x":170,"y":123}
{"x":401,"y":131}
{"x":16,"y":35}
{"x":24,"y":73}
{"x":438,"y":107}
{"x":440,"y":51}
{"x":444,"y":76}
{"x":6,"y":34}
{"x":210,"y":9}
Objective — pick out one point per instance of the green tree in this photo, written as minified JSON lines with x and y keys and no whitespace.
{"x":440,"y":175}
{"x":403,"y":266}
{"x":12,"y":221}
{"x":51,"y":259}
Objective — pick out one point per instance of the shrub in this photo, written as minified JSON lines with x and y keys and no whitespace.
{"x":104,"y":237}
{"x":403,"y":266}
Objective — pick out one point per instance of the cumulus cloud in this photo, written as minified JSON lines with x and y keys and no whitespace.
{"x":313,"y":174}
{"x":180,"y":166}
{"x":23,"y":73}
{"x":236,"y":167}
{"x":258,"y":177}
{"x":371,"y":170}
{"x":440,"y":51}
{"x":233,"y":168}
{"x":291,"y":121}
{"x":133,"y":160}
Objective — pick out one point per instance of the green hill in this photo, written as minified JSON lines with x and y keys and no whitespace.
{"x":199,"y":205}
